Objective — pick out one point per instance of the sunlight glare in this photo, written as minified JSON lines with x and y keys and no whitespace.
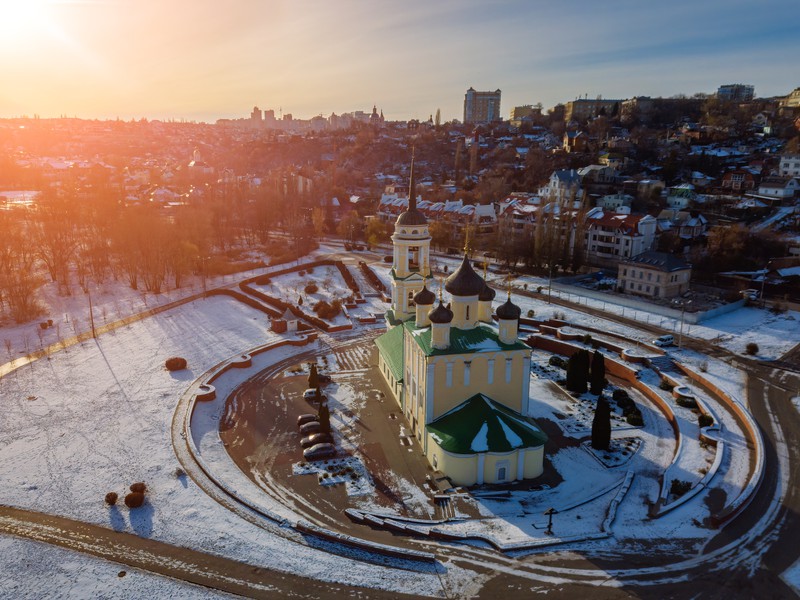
{"x":23,"y":19}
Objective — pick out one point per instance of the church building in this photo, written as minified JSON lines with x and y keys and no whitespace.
{"x":461,"y":381}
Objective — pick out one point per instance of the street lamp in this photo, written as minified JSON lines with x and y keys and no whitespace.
{"x":763,"y":281}
{"x":682,"y":304}
{"x":550,"y":284}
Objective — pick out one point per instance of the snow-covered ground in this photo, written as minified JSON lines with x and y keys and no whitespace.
{"x":96,"y":417}
{"x":79,"y":576}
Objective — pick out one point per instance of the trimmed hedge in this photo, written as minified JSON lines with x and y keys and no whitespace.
{"x":111,"y":498}
{"x":139,"y":487}
{"x":175,"y":363}
{"x":134,"y":499}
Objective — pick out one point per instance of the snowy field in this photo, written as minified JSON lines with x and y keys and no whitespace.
{"x":79,"y":576}
{"x":96,"y":418}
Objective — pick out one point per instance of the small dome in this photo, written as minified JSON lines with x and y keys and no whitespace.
{"x":509,"y":311}
{"x":425,"y":297}
{"x":411,"y":216}
{"x":487,"y":294}
{"x":440,"y":314}
{"x":465,"y":281}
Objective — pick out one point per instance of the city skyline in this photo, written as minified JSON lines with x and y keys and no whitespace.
{"x":198,"y":61}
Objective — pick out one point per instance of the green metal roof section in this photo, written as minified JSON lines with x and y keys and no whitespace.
{"x":390,"y":345}
{"x":483,"y":338}
{"x":412,"y":275}
{"x":480,"y":425}
{"x":393,"y":319}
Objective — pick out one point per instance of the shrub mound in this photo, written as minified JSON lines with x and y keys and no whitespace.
{"x":111,"y":498}
{"x":311,"y":288}
{"x":139,"y":487}
{"x":751,"y":349}
{"x":175,"y":363}
{"x":134,"y":499}
{"x":705,"y":421}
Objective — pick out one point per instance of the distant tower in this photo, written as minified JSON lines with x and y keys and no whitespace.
{"x":481,"y":107}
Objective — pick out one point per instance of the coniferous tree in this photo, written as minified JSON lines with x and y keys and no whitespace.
{"x":324,"y":415}
{"x":598,"y":375}
{"x":601,"y":425}
{"x":313,"y":377}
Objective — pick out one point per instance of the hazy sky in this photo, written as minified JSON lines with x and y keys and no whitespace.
{"x":204,"y":59}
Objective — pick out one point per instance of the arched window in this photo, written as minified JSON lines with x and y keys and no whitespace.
{"x":467,"y":312}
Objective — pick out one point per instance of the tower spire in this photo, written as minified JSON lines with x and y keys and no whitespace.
{"x":412,"y":196}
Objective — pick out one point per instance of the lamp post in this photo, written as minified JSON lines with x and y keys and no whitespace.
{"x":682,"y":304}
{"x":550,"y":284}
{"x":763,"y":281}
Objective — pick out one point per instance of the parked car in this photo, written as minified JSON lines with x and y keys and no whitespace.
{"x":310,"y":428}
{"x":316,"y":438}
{"x":751,"y":295}
{"x":311,"y":394}
{"x":388,"y":259}
{"x":664,"y":340}
{"x":319,"y":451}
{"x":306,"y":418}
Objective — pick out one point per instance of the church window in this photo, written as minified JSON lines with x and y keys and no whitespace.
{"x":501,"y":471}
{"x":449,"y":375}
{"x":467,"y":317}
{"x":490,"y":372}
{"x":467,"y":365}
{"x":509,"y":362}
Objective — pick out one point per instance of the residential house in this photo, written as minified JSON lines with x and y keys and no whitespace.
{"x":610,"y":237}
{"x":738,"y":180}
{"x":563,"y":186}
{"x":654,"y":274}
{"x":789,"y":165}
{"x":576,"y":141}
{"x":615,"y":202}
{"x":687,"y":225}
{"x":780,"y":188}
{"x":681,"y":196}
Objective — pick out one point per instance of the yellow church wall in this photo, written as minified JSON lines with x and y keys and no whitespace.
{"x":460,"y":469}
{"x":448,"y":397}
{"x":534,"y":463}
{"x":490,"y":465}
{"x":394,"y":387}
{"x":463,"y":469}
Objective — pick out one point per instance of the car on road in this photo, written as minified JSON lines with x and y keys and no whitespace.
{"x":316,"y":438}
{"x":310,"y":428}
{"x":664,"y":340}
{"x":319,"y":451}
{"x":306,"y":418}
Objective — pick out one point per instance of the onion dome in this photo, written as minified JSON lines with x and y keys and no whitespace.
{"x":412,"y":216}
{"x":465,"y":281}
{"x":441,"y":314}
{"x":487,"y":294}
{"x":509,"y":311}
{"x":425,"y":297}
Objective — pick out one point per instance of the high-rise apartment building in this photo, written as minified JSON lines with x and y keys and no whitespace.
{"x":736,"y":92}
{"x":481,"y":107}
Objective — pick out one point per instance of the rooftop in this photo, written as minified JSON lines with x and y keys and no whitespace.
{"x":479,"y":424}
{"x":483,"y":338}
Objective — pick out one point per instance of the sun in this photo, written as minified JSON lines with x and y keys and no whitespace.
{"x":24,"y":19}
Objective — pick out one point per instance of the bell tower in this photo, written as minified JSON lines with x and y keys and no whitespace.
{"x":411,"y":258}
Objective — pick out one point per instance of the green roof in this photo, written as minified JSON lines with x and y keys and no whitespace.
{"x":417,"y":274}
{"x":480,"y":424}
{"x":483,"y":338}
{"x":390,"y":345}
